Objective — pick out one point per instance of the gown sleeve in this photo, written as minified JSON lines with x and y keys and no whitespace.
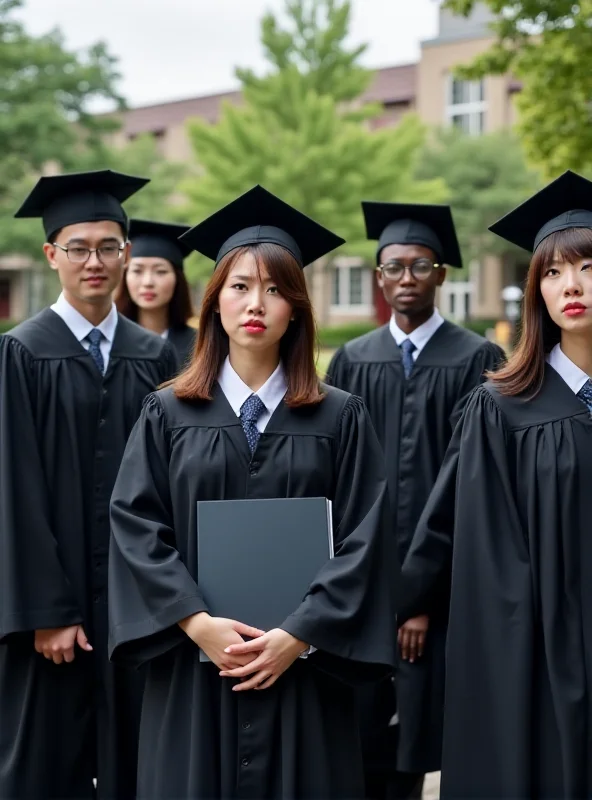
{"x":490,"y":641}
{"x":36,"y":592}
{"x":150,"y":589}
{"x":348,"y":613}
{"x":488,"y":358}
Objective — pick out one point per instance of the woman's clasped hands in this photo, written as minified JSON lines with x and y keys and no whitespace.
{"x":257,"y":663}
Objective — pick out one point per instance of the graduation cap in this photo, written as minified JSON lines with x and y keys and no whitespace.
{"x":62,"y":200}
{"x":259,"y":216}
{"x":564,"y":203}
{"x":407,"y":223}
{"x":158,"y":240}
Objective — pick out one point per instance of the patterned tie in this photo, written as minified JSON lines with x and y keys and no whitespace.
{"x":94,"y":337}
{"x":585,"y":394}
{"x":407,"y":348}
{"x":250,"y":412}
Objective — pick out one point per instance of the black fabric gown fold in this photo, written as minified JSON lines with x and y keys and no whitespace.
{"x":414,"y":418}
{"x":182,"y":340}
{"x":298,"y":738}
{"x":518,"y":720}
{"x":63,"y":429}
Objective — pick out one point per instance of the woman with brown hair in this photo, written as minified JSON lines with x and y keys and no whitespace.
{"x":272,"y":717}
{"x":154,"y":291}
{"x":511,"y":515}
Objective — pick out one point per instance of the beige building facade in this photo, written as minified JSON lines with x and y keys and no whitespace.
{"x":345,"y":290}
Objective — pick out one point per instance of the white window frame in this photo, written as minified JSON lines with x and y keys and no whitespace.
{"x":473,"y":109}
{"x":342,"y":266}
{"x":460,"y":290}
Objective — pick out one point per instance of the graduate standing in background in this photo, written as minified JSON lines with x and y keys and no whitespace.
{"x":250,"y":419}
{"x":515,"y":496}
{"x":72,"y":381}
{"x":154,"y":291}
{"x":414,"y":374}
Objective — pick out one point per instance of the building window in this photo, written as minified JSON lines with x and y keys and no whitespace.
{"x":456,"y":300}
{"x":466,"y":106}
{"x":351,"y":288}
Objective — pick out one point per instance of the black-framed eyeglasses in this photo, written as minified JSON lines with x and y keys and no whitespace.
{"x":421,"y":269}
{"x":108,"y":254}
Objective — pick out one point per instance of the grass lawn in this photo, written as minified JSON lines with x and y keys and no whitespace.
{"x":323,"y":361}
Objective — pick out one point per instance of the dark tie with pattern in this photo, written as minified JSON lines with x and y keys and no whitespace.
{"x":94,"y":337}
{"x":407,"y":348}
{"x":585,"y":394}
{"x":250,"y":412}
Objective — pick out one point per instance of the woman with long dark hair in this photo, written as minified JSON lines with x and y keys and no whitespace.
{"x":272,"y":717}
{"x":154,"y":291}
{"x":511,"y":514}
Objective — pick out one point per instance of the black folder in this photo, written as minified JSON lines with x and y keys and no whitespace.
{"x":257,"y":558}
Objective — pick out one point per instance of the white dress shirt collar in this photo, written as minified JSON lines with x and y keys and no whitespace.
{"x":236,"y":390}
{"x":80,"y":326}
{"x":570,"y":372}
{"x":420,"y":336}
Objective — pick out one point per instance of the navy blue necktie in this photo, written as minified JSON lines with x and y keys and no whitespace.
{"x":94,"y":337}
{"x":585,"y":394}
{"x":407,"y":348}
{"x":250,"y":412}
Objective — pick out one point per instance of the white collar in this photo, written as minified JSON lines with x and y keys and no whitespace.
{"x":570,"y":372}
{"x":79,"y":325}
{"x":420,"y":336}
{"x":236,"y":390}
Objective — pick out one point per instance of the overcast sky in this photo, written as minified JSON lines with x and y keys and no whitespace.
{"x":172,"y":49}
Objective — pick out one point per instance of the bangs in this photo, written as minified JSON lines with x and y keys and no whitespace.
{"x":566,"y":246}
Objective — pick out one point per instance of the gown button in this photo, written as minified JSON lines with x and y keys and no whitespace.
{"x":246,"y":726}
{"x":245,"y":762}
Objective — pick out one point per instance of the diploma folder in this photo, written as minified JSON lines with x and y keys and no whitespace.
{"x":257,"y":558}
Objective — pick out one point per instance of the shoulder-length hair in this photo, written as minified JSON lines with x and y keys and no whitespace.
{"x":297,"y":346}
{"x":524,"y":372}
{"x":180,"y":306}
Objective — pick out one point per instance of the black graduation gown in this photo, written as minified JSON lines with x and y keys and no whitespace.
{"x":414,"y":419}
{"x":514,"y":496}
{"x":182,"y":339}
{"x":298,"y":738}
{"x":63,"y":429}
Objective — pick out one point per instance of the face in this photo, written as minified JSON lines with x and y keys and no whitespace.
{"x":253,"y":313}
{"x":409,"y":295}
{"x":567,"y":293}
{"x":92,"y":279}
{"x":151,"y":282}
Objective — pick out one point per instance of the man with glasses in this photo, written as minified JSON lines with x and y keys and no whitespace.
{"x":72,"y":382}
{"x":414,"y":374}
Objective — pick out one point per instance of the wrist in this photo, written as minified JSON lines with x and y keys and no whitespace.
{"x":195,"y":625}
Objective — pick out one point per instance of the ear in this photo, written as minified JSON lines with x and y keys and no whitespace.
{"x":441,"y":276}
{"x":127,"y":254}
{"x":379,"y":278}
{"x":50,"y":253}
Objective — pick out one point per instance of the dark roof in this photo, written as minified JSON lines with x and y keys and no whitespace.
{"x":391,"y":85}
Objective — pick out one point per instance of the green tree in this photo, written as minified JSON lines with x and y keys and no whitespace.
{"x":486,"y":176}
{"x":546,"y":45}
{"x":47,"y":98}
{"x":296,"y":135}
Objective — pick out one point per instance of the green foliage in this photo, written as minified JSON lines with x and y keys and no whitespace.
{"x":313,"y":45}
{"x":545,"y":44}
{"x":293,"y":135}
{"x":480,"y":326}
{"x":6,"y":325}
{"x":486,"y":176}
{"x":338,"y":335}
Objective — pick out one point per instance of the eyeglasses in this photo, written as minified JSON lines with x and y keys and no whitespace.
{"x":108,"y":254}
{"x":421,"y":269}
